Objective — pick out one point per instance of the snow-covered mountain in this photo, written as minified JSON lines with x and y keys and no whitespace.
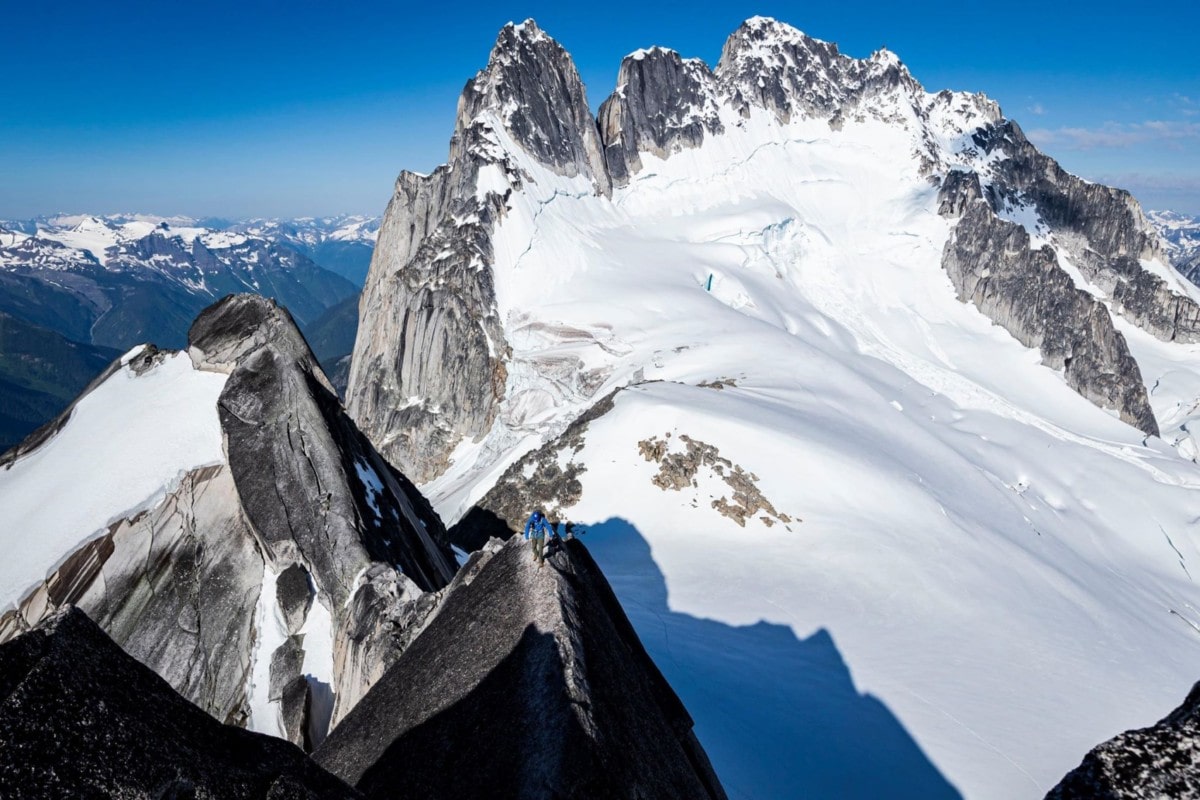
{"x":1181,"y":239}
{"x":342,"y":244}
{"x":878,"y":420}
{"x":118,"y":281}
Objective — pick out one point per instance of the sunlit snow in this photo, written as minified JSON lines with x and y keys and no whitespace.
{"x":998,"y":571}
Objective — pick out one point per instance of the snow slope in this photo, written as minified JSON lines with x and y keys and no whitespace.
{"x":126,"y":445}
{"x":984,"y":574}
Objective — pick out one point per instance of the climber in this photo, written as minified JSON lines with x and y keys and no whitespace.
{"x":536,"y":529}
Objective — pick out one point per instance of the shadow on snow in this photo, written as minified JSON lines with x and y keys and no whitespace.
{"x":778,"y":716}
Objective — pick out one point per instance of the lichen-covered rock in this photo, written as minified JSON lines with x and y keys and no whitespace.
{"x":1026,"y":292}
{"x":1157,"y":762}
{"x":81,"y":718}
{"x":529,"y":683}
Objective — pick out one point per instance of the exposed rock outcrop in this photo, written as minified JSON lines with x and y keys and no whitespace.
{"x":1160,"y":761}
{"x":1026,"y":292}
{"x":174,"y":586}
{"x":546,"y":478}
{"x":81,"y":718}
{"x":314,"y":490}
{"x":1103,"y":229}
{"x":663,"y":103}
{"x":353,"y":554}
{"x":530,"y":683}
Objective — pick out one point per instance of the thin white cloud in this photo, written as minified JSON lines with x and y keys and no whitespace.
{"x":1037,"y":109}
{"x":1115,"y":134}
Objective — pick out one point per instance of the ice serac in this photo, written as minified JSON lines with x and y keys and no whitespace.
{"x":530,"y":683}
{"x":429,"y":366}
{"x":1162,"y":760}
{"x":1024,"y":290}
{"x":81,"y":718}
{"x":315,"y":492}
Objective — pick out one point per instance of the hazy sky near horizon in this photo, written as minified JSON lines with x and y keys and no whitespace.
{"x":264,"y":108}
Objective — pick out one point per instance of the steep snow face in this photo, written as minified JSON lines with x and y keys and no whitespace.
{"x":126,"y":444}
{"x":894,"y":514}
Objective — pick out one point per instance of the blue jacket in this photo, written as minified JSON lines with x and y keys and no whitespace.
{"x":538,"y":527}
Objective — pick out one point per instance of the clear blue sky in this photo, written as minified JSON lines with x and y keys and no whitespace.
{"x":285,"y":109}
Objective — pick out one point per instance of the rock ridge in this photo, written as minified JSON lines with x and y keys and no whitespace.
{"x":537,"y":678}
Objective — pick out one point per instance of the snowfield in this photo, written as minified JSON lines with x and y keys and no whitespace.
{"x":984,"y":575}
{"x":126,"y":446}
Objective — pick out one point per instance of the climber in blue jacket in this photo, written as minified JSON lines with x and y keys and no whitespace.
{"x":536,"y":530}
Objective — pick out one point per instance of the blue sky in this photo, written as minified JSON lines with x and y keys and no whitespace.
{"x":285,"y":109}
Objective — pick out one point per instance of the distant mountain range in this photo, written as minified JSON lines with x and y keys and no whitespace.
{"x":1180,"y":234}
{"x":90,"y":286}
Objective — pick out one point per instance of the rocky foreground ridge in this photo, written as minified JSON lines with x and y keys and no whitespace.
{"x":81,"y":718}
{"x":300,"y":531}
{"x":277,"y":587}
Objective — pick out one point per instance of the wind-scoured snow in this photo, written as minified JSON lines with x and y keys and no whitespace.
{"x":1003,"y":566}
{"x":126,"y":445}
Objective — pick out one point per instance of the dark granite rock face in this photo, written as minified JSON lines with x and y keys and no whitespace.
{"x":663,"y":103}
{"x":312,"y":487}
{"x":317,"y":494}
{"x":294,"y":595}
{"x":1027,"y":293}
{"x":530,"y":683}
{"x":80,"y":718}
{"x":531,"y":84}
{"x":1103,"y":228}
{"x":303,"y":496}
{"x":1162,"y":761}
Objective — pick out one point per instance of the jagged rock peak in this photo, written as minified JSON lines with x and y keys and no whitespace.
{"x":773,"y":65}
{"x":663,"y":103}
{"x":532,"y":88}
{"x":233,"y":328}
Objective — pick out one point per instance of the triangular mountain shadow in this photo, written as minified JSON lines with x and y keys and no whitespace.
{"x":778,"y":715}
{"x":529,"y":683}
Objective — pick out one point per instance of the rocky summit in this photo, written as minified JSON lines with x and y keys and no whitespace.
{"x":530,"y":683}
{"x":843,"y":360}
